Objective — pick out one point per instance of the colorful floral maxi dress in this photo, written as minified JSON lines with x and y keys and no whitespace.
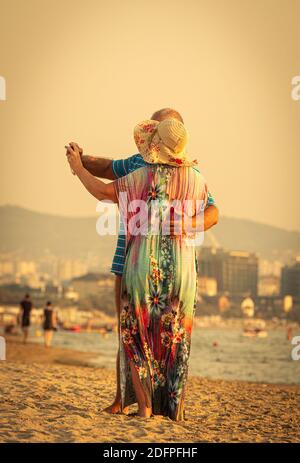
{"x":158,"y":291}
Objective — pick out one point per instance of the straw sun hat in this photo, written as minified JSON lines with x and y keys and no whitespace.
{"x":163,"y":142}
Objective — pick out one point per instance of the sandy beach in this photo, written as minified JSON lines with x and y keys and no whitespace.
{"x":55,"y":395}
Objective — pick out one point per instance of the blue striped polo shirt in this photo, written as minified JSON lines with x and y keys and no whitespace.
{"x":122,"y":167}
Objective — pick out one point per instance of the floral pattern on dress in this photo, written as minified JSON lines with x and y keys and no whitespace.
{"x":158,"y":297}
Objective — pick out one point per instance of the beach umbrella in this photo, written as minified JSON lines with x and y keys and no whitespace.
{"x":287,"y":304}
{"x":247,"y":307}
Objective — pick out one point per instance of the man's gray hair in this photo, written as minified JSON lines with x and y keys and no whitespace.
{"x":166,"y":113}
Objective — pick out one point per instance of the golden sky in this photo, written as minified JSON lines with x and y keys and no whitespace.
{"x":89,"y":70}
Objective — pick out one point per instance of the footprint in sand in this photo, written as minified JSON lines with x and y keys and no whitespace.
{"x":24,"y":435}
{"x":140,"y":433}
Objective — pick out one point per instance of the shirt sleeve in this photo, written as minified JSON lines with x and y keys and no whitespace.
{"x":210,"y":200}
{"x":122,"y":167}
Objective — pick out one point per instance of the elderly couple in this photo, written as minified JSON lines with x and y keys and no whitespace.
{"x":156,"y":273}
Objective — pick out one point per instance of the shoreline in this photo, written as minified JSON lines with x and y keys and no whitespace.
{"x":50,"y":395}
{"x":69,"y":356}
{"x":35,"y":352}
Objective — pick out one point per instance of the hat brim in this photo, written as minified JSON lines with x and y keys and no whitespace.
{"x":153,"y":151}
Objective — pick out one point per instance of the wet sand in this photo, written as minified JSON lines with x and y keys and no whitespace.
{"x":55,"y":395}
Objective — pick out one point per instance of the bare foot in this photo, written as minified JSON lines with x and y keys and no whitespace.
{"x":115,"y":408}
{"x":145,"y":412}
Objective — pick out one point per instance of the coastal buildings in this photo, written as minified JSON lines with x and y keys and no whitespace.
{"x":225,"y":279}
{"x":207,"y":286}
{"x":235,"y":272}
{"x":239,"y":273}
{"x":290,"y":279}
{"x":269,"y":285}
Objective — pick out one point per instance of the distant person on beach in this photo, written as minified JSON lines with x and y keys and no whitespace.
{"x":49,"y":324}
{"x":158,"y":285}
{"x":289,"y":333}
{"x":25,"y":312}
{"x":111,"y":170}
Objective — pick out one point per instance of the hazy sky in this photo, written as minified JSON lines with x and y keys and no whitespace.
{"x":89,"y":70}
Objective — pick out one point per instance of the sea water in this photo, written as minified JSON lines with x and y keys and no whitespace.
{"x":215,"y":353}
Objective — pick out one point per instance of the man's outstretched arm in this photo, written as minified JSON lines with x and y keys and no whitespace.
{"x":103,"y":168}
{"x":112,"y":169}
{"x":211,"y":216}
{"x":99,"y":167}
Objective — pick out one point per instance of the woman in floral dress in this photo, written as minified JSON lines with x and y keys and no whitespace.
{"x":158,"y":291}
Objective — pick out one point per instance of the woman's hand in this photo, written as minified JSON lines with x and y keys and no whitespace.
{"x":73,"y":154}
{"x":76,"y":144}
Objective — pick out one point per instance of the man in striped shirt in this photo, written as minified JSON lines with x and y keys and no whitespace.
{"x":111,"y":170}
